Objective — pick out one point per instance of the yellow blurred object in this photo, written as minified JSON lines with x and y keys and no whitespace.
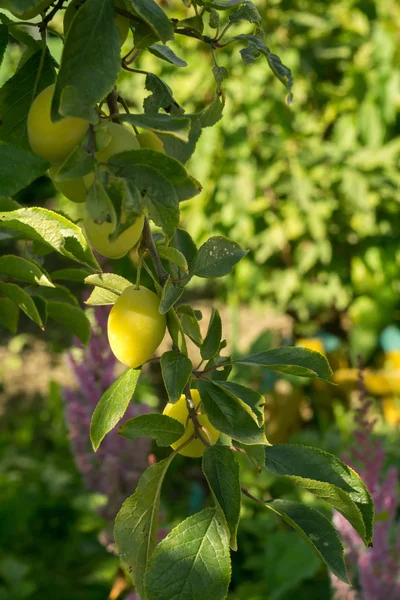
{"x":391,"y":410}
{"x":392,"y":359}
{"x":384,"y":382}
{"x":315,"y":344}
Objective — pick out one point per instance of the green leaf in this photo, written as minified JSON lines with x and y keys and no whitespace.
{"x":184,"y":244}
{"x":17,"y":95}
{"x":176,"y":126}
{"x":216,"y":257}
{"x":222,"y":473}
{"x":211,"y":343}
{"x":327,"y":477}
{"x":225,"y":4}
{"x":166,"y":54}
{"x":109,"y":281}
{"x":165,"y":430}
{"x":189,"y":323}
{"x":3,"y":41}
{"x":246,"y":12}
{"x":57,"y":293}
{"x":170,"y":294}
{"x":174,"y":256}
{"x":316,"y":530}
{"x":123,"y":165}
{"x":112,"y":406}
{"x":210,"y":115}
{"x":253,"y":402}
{"x":78,"y":164}
{"x":78,"y":275}
{"x":154,"y":17}
{"x":136,"y":524}
{"x":22,"y":300}
{"x":23,"y":269}
{"x":18,"y":168}
{"x":179,"y":149}
{"x":176,"y":370}
{"x":290,"y":359}
{"x":192,"y":562}
{"x":83,"y":83}
{"x":160,"y":197}
{"x":71,"y":317}
{"x":176,"y":331}
{"x":161,"y":96}
{"x":47,"y":227}
{"x":256,"y":455}
{"x":9,"y":313}
{"x":228,"y":415}
{"x":101,"y":297}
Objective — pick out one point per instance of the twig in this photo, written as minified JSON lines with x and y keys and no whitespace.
{"x":148,"y":242}
{"x":247,"y":493}
{"x":112,"y":103}
{"x":192,"y":412}
{"x":43,"y":24}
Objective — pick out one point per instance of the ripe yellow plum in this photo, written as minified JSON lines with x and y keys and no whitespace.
{"x":53,"y":141}
{"x":30,"y":13}
{"x":135,"y":326}
{"x":98,"y":236}
{"x":179,"y":411}
{"x":73,"y":189}
{"x":121,"y":22}
{"x":150,"y":140}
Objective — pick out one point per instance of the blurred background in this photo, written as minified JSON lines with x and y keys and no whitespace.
{"x":312,"y":190}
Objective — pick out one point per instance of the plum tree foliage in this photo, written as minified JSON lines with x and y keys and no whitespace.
{"x":71,"y":120}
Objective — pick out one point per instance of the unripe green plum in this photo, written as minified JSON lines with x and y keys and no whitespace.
{"x":53,"y":141}
{"x":135,"y":326}
{"x":150,"y":140}
{"x":73,"y":189}
{"x":98,"y":236}
{"x":179,"y":411}
{"x":121,"y":22}
{"x":30,"y":13}
{"x":122,"y":140}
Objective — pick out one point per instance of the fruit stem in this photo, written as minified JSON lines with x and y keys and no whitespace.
{"x":43,"y":24}
{"x":139,"y":269}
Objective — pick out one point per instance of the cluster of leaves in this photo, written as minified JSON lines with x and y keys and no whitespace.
{"x":193,"y":562}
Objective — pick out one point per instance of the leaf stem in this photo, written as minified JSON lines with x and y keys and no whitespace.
{"x":112,"y":103}
{"x":247,"y":493}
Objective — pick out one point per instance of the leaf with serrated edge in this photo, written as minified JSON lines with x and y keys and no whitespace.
{"x":176,"y":369}
{"x":228,"y":415}
{"x":174,"y":256}
{"x":101,"y":297}
{"x":154,"y":17}
{"x":222,"y":473}
{"x":192,"y":562}
{"x":112,"y":406}
{"x":216,"y":257}
{"x":47,"y":227}
{"x":175,"y":126}
{"x":210,"y":346}
{"x":316,"y":530}
{"x":18,"y":168}
{"x":136,"y":523}
{"x":252,"y":402}
{"x":290,"y":359}
{"x":22,"y":300}
{"x":327,"y":477}
{"x":163,"y":429}
{"x":73,"y":96}
{"x":109,"y":281}
{"x":23,"y":269}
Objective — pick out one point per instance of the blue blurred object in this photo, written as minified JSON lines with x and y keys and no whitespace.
{"x":331,"y":342}
{"x":390,"y":338}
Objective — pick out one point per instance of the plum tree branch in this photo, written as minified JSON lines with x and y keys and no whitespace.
{"x":148,"y":242}
{"x":194,"y":418}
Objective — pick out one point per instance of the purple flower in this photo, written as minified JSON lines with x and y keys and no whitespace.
{"x":115,"y":469}
{"x":374,"y":572}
